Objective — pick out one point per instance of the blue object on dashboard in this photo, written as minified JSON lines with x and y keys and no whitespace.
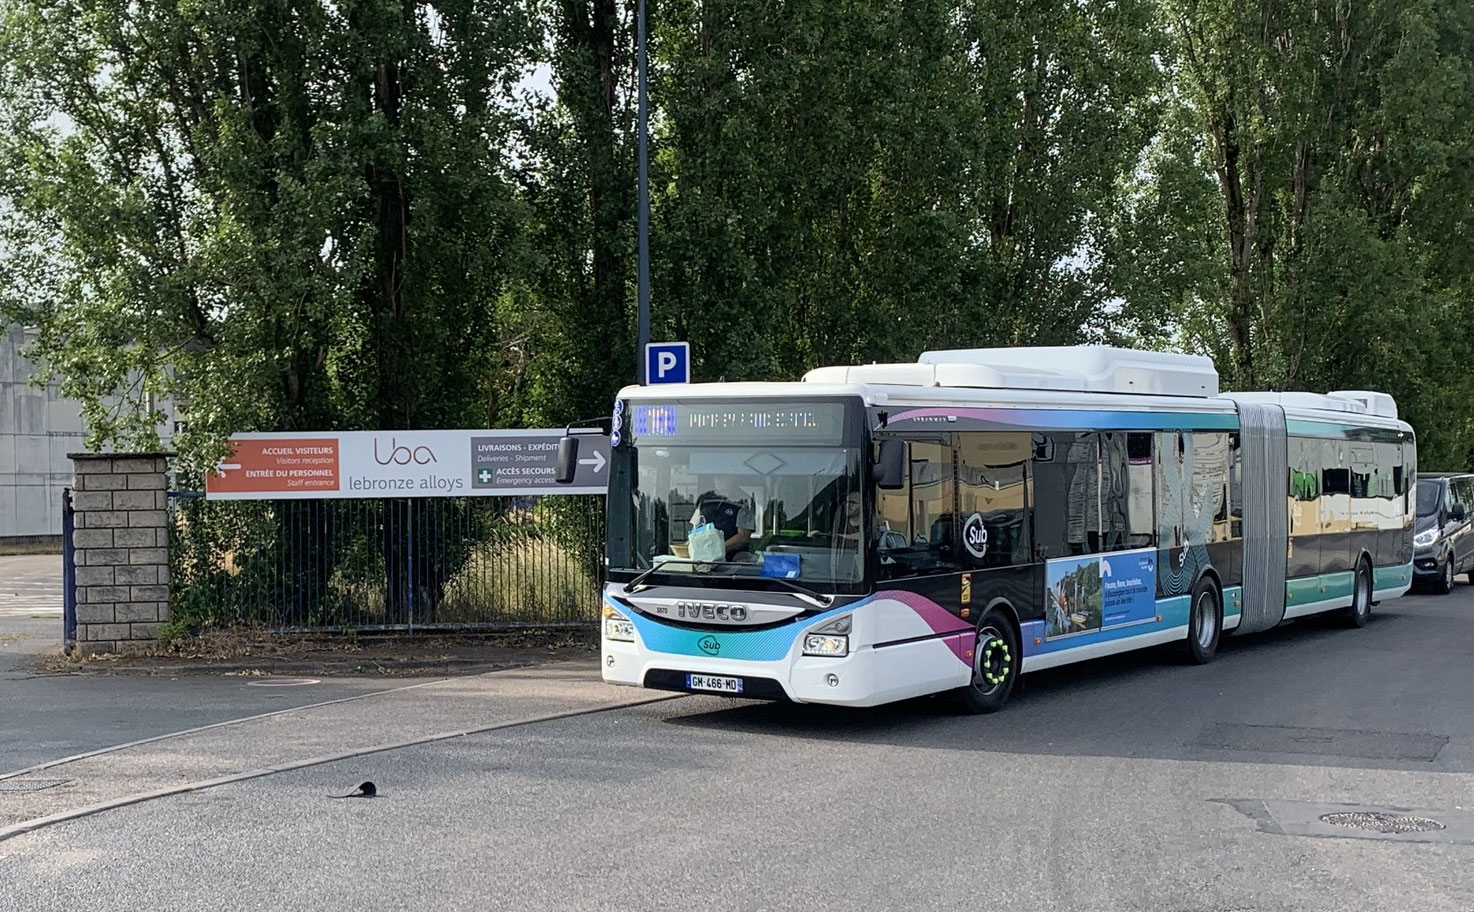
{"x":782,"y":566}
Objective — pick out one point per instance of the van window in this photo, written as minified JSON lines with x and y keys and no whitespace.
{"x":1464,"y":491}
{"x":1430,"y":497}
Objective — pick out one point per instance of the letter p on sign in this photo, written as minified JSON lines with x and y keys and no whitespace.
{"x":668,"y":362}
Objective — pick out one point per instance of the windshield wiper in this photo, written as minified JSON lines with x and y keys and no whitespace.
{"x":634,"y":584}
{"x":645,"y":574}
{"x":817,"y":599}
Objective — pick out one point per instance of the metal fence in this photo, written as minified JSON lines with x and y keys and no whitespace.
{"x":68,"y":572}
{"x":488,"y":562}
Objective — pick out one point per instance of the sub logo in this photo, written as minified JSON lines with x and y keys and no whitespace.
{"x":975,"y":536}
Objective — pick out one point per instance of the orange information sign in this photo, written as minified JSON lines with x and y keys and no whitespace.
{"x":277,"y":465}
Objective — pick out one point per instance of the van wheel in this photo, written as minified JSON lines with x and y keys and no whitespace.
{"x":1361,"y":597}
{"x":1445,"y":582}
{"x":1204,"y":624}
{"x":996,"y":659}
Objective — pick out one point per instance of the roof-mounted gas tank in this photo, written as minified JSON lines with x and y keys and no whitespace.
{"x":1361,"y":402}
{"x":1080,"y":368}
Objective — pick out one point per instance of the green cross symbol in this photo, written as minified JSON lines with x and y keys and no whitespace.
{"x":484,"y":476}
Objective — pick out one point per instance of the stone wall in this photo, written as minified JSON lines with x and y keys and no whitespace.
{"x":122,"y":550}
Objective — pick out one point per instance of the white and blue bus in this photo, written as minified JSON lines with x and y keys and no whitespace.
{"x":885,"y":531}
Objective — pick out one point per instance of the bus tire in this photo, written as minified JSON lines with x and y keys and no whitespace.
{"x":996,"y":662}
{"x":1360,"y":610}
{"x":1204,"y":624}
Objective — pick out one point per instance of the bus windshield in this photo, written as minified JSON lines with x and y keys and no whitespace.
{"x":754,"y":493}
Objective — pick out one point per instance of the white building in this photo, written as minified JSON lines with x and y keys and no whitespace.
{"x":38,"y":428}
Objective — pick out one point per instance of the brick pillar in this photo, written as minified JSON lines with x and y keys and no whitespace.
{"x":122,"y":547}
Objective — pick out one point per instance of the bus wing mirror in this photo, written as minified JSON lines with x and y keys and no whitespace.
{"x":567,"y":459}
{"x":890,"y":468}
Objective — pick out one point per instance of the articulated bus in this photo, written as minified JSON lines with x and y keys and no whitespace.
{"x":881,"y":532}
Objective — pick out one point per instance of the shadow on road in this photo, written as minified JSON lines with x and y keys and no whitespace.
{"x":1310,"y":692}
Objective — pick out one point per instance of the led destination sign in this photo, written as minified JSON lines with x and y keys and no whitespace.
{"x":806,"y":422}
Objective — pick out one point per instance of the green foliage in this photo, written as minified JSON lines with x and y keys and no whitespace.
{"x":843,"y":182}
{"x":1303,"y":216}
{"x":288,"y":214}
{"x":348,"y":564}
{"x":284,"y":214}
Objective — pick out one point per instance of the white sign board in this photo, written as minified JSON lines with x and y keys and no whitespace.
{"x":404,"y":464}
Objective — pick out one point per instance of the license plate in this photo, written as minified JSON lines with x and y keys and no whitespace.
{"x":712,"y":682}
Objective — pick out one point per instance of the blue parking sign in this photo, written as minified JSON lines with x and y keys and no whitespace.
{"x":668,"y":362}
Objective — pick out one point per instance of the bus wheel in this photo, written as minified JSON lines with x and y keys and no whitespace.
{"x":995,"y":665}
{"x":1361,"y":597}
{"x":1204,"y":624}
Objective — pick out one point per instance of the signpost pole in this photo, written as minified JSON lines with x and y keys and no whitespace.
{"x":644,"y":200}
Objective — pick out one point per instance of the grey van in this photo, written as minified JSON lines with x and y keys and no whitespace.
{"x":1443,"y":533}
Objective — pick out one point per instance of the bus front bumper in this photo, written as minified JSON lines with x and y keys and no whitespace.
{"x":841,"y":681}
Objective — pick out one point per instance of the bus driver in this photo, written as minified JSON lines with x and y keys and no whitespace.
{"x":726,"y":508}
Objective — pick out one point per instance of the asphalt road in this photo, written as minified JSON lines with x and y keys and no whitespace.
{"x":1130,"y":783}
{"x":30,"y":585}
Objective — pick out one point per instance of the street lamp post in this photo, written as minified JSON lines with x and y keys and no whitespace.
{"x":643,"y":192}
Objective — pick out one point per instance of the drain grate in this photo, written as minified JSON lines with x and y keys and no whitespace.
{"x":1383,"y":823}
{"x":30,"y":785}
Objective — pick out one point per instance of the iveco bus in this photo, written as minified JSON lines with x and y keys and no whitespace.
{"x":885,"y":531}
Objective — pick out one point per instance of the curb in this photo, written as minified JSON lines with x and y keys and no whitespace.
{"x":325,"y":668}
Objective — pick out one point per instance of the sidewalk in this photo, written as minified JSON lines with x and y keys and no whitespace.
{"x":463,"y":684}
{"x":363,"y":726}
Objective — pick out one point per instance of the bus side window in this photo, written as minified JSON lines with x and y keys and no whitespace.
{"x":915,"y":535}
{"x":1066,"y":493}
{"x":1128,"y":516}
{"x":1212,"y":456}
{"x":1236,"y":488}
{"x":1171,"y":484}
{"x":993,"y":487}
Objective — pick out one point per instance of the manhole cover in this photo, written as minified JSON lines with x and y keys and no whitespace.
{"x":30,"y":785}
{"x":1383,"y":823}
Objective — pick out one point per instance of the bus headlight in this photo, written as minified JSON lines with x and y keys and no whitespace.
{"x":1425,"y":538}
{"x":831,"y":640}
{"x":820,"y":644}
{"x":617,"y":626}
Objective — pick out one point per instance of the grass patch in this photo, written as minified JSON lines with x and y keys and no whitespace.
{"x":247,"y":652}
{"x":520,"y":579}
